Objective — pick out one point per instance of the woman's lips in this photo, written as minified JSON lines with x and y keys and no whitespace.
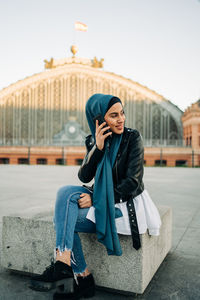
{"x":120,"y":127}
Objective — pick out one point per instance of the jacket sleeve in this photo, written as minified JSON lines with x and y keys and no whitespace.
{"x":134,"y":167}
{"x":89,"y":166}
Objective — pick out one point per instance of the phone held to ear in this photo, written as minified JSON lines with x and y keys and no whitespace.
{"x":100,"y":121}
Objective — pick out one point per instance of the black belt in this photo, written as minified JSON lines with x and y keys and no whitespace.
{"x":133,"y":224}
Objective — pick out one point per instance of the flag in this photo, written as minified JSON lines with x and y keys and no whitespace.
{"x":80,"y":26}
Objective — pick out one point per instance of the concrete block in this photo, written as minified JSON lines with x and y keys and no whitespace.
{"x":28,"y":243}
{"x":132,"y":271}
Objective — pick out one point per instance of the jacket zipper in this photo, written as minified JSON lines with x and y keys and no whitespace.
{"x":116,"y":171}
{"x":117,"y":177}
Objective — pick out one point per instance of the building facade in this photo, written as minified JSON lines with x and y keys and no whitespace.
{"x":42,"y":118}
{"x":191,"y":130}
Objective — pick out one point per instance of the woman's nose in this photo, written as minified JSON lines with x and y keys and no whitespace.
{"x":121,"y":119}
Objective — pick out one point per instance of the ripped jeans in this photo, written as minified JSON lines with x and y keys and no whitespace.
{"x":69,"y":219}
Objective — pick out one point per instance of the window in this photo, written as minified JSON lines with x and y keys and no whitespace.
{"x":181,"y":163}
{"x":23,"y":161}
{"x":160,"y":163}
{"x":60,"y":161}
{"x":79,"y":161}
{"x":41,"y":161}
{"x":4,"y":161}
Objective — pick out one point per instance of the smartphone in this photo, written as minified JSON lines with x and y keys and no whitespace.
{"x":100,"y":121}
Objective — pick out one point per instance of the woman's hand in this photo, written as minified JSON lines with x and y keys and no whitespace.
{"x":100,"y":136}
{"x":85,"y":200}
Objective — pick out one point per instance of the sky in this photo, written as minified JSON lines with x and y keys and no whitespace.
{"x":153,"y":42}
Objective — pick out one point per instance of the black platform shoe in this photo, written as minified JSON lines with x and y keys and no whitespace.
{"x":54,"y":276}
{"x":83,"y":287}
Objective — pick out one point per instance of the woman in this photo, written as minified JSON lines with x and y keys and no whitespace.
{"x":116,"y":203}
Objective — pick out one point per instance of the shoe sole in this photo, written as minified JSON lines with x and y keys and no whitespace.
{"x":87,"y":293}
{"x":42,"y":286}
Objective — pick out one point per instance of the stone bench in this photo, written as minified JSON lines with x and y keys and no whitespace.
{"x":28,"y":245}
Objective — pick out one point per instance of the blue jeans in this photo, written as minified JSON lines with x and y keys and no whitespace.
{"x":69,"y":219}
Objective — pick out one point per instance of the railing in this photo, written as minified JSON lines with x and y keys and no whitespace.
{"x":40,"y":143}
{"x":43,"y":142}
{"x":165,"y":143}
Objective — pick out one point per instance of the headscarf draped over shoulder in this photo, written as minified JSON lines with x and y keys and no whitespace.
{"x":103,"y":196}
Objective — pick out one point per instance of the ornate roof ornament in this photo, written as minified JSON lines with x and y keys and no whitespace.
{"x":74,"y":50}
{"x":49,"y":64}
{"x":54,"y":63}
{"x":97,"y":63}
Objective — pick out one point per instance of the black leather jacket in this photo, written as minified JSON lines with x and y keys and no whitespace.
{"x":127,"y":169}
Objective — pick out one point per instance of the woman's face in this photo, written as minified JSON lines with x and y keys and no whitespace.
{"x":115,"y":118}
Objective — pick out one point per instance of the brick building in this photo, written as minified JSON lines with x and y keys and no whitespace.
{"x":42,"y":118}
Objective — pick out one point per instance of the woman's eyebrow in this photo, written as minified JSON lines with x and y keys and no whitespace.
{"x":115,"y":112}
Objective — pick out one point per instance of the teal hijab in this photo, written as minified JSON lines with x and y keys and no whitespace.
{"x":103,"y":196}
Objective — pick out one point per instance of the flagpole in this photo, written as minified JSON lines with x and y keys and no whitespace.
{"x":79,"y":26}
{"x":74,"y":36}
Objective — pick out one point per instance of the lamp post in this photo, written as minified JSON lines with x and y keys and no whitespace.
{"x":29,"y":154}
{"x":63,"y":156}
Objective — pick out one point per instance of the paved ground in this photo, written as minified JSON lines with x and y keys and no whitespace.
{"x":32,"y":189}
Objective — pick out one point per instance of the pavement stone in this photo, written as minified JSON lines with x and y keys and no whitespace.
{"x":32,"y":189}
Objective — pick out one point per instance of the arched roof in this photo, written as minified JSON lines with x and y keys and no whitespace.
{"x":83,"y":68}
